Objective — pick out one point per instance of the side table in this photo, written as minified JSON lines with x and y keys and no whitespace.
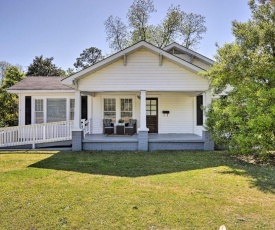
{"x":120,"y":129}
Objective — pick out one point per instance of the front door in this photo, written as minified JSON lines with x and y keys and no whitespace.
{"x":152,"y":114}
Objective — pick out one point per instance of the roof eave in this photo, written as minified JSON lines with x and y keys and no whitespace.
{"x":192,"y":52}
{"x":17,"y":91}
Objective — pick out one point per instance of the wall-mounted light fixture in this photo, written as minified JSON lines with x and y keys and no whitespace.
{"x":165,"y":112}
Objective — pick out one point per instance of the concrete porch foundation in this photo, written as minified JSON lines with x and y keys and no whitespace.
{"x":145,"y":142}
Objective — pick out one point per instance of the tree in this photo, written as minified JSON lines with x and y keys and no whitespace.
{"x":44,"y":67}
{"x":70,"y":72}
{"x":117,"y":34}
{"x":244,"y":118}
{"x":3,"y":66}
{"x":138,"y":17}
{"x":186,"y":29}
{"x":87,"y":58}
{"x":166,"y":32}
{"x":8,"y":101}
{"x":191,"y":29}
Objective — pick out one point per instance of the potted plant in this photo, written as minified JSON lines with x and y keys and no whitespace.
{"x":120,"y":121}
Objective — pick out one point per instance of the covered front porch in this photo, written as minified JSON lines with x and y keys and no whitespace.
{"x":165,"y":120}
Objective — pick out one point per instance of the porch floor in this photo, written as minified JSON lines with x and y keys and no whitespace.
{"x":153,"y":137}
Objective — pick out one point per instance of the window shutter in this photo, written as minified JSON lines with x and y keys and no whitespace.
{"x":28,"y":110}
{"x":84,"y":107}
{"x":199,"y":110}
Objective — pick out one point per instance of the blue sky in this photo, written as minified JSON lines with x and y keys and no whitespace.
{"x":64,"y":28}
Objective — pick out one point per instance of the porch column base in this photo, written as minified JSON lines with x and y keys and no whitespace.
{"x":77,"y":136}
{"x":143,"y":140}
{"x":208,"y":142}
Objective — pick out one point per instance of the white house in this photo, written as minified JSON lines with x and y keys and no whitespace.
{"x":160,"y":88}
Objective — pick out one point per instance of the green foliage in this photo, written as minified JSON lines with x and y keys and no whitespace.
{"x":117,"y":33}
{"x":245,"y":119}
{"x":177,"y":25}
{"x":138,"y":17}
{"x":88,"y":57}
{"x":3,"y":67}
{"x":8,"y":101}
{"x":44,"y":67}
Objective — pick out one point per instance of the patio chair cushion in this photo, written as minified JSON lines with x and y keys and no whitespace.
{"x":130,"y":128}
{"x":108,"y":126}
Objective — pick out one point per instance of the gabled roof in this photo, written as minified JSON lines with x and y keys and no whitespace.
{"x":183,"y":49}
{"x":121,"y":54}
{"x":40,"y":83}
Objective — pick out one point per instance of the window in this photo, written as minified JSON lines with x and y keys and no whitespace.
{"x":39,"y":111}
{"x":126,"y":109}
{"x":151,"y":107}
{"x":199,"y":110}
{"x":110,"y":108}
{"x":72,"y":109}
{"x":56,"y":109}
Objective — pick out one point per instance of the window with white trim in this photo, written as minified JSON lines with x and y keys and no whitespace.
{"x":72,"y":103}
{"x":126,"y":109}
{"x":39,"y":111}
{"x":110,"y":109}
{"x":56,"y":109}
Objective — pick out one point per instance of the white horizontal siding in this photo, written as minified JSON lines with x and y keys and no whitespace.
{"x":143,"y":72}
{"x":180,"y":118}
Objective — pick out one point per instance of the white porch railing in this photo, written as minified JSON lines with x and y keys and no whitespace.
{"x":35,"y":134}
{"x":86,"y":125}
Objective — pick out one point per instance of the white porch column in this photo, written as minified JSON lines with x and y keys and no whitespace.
{"x":143,"y":144}
{"x":77,"y":111}
{"x":143,"y":111}
{"x":77,"y":133}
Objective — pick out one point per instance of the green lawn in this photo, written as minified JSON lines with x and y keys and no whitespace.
{"x":134,"y":190}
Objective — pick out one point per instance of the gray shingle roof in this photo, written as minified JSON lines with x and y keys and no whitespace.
{"x":40,"y":83}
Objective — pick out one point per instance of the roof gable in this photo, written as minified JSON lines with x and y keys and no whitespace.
{"x":123,"y":55}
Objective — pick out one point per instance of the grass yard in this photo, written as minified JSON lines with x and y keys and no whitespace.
{"x":134,"y":190}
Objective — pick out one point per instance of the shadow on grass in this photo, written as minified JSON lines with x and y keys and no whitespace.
{"x":137,"y":164}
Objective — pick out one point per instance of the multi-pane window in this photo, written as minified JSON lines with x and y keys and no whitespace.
{"x":56,"y":109}
{"x":126,"y":109}
{"x":110,"y":108}
{"x":151,"y":107}
{"x":72,"y":101}
{"x":39,"y":111}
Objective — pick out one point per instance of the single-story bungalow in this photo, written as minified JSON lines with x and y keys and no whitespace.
{"x":140,"y":98}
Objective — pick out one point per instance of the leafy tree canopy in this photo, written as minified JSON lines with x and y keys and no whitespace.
{"x":177,"y":25}
{"x":3,"y":66}
{"x":87,"y":58}
{"x":245,"y":118}
{"x":8,"y":101}
{"x":44,"y":67}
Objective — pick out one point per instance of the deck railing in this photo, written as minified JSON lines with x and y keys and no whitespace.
{"x":35,"y":134}
{"x":86,"y":125}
